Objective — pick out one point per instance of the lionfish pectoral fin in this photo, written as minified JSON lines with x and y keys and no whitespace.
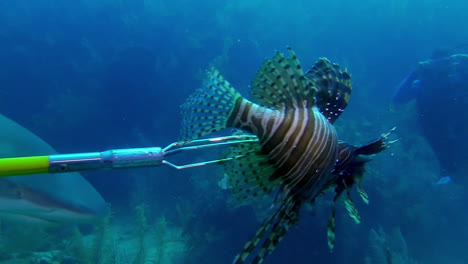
{"x":331,"y":229}
{"x":363,"y":194}
{"x":351,"y":208}
{"x":209,"y":108}
{"x":271,"y":232}
{"x":333,"y":88}
{"x":249,"y":175}
{"x":281,"y":83}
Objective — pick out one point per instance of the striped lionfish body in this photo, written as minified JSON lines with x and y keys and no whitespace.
{"x":299,"y":142}
{"x":297,"y":156}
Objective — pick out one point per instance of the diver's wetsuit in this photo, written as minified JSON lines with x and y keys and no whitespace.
{"x":440,"y":88}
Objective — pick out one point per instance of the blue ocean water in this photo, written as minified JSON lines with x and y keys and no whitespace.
{"x":94,"y":75}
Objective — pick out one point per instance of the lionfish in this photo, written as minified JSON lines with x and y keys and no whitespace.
{"x":297,"y":156}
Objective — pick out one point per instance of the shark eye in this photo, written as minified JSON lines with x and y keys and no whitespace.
{"x":20,"y":193}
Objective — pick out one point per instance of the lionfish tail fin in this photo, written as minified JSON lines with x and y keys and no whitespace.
{"x":334,"y":88}
{"x":376,"y":146}
{"x":271,"y":233}
{"x":351,"y":168}
{"x":208,"y":109}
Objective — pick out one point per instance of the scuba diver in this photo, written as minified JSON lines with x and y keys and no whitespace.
{"x":439,"y":87}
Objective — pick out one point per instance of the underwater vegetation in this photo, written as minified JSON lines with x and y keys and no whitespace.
{"x":137,"y":242}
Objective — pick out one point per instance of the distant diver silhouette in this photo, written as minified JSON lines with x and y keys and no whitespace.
{"x":440,"y":88}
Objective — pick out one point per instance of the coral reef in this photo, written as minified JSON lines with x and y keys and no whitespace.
{"x":388,"y":248}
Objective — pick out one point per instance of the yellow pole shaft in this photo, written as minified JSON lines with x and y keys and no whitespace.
{"x":24,"y":165}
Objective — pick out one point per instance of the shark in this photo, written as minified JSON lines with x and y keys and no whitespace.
{"x":43,"y":198}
